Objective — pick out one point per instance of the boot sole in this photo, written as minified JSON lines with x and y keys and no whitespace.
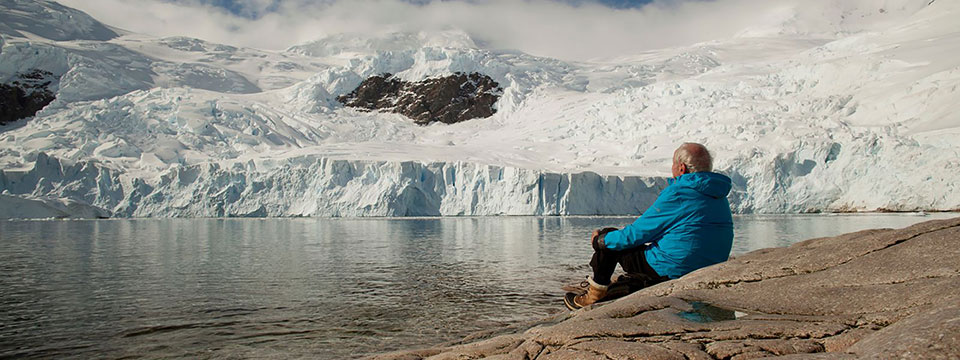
{"x":568,"y":301}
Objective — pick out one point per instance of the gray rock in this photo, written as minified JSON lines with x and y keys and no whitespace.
{"x":449,"y":99}
{"x":869,"y":294}
{"x":25,"y":96}
{"x":933,"y":334}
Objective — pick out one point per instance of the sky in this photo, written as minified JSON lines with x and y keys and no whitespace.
{"x":564,"y":29}
{"x":256,"y":8}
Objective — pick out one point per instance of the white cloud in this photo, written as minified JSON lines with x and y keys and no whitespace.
{"x":538,"y":27}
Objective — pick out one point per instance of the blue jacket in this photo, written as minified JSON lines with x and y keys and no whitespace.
{"x":688,"y":227}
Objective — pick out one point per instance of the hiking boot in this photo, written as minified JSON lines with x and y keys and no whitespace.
{"x":578,"y":289}
{"x":595,"y":292}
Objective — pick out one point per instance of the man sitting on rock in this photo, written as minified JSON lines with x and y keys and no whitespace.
{"x":688,"y":227}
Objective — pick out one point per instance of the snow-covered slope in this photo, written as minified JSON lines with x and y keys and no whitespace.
{"x":50,"y":20}
{"x":819,"y":106}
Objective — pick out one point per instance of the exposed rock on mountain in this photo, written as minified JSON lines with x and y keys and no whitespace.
{"x":24,"y":97}
{"x":450,"y":99}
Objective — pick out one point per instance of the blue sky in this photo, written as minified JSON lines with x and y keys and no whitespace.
{"x":256,"y":8}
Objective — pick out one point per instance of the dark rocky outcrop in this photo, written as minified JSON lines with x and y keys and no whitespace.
{"x":874,"y":294}
{"x":22,"y":98}
{"x":449,"y":99}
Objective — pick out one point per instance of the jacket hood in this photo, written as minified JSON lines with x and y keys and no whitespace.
{"x":708,"y":183}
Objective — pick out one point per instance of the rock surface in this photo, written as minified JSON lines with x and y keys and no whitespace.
{"x":449,"y":99}
{"x":869,"y":294}
{"x":25,"y":96}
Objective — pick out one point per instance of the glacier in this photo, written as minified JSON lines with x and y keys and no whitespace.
{"x":825,"y":106}
{"x":310,"y":186}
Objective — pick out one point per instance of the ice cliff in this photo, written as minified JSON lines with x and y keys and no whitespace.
{"x":310,"y":186}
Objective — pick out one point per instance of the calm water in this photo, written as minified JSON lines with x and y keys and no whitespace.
{"x":317,"y":288}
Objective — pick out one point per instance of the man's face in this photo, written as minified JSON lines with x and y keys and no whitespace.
{"x":676,"y":168}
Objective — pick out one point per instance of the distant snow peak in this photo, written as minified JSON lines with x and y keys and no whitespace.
{"x":448,"y":99}
{"x":50,"y":20}
{"x":837,"y":18}
{"x":196,"y":45}
{"x":356,"y":43}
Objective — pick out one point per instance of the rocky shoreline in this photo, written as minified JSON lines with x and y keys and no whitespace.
{"x":880,"y":293}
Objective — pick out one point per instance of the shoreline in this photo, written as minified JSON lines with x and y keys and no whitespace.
{"x":632,"y":216}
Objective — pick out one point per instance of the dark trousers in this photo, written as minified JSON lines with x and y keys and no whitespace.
{"x":633,"y":262}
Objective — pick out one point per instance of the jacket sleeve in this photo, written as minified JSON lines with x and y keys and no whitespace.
{"x":649,"y":226}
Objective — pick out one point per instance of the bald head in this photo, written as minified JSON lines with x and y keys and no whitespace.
{"x":694,"y":157}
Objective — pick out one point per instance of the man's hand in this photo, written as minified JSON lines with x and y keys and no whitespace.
{"x":596,"y":239}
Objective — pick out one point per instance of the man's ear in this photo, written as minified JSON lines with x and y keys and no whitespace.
{"x":683,"y":169}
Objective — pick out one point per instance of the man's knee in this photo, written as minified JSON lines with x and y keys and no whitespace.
{"x":631,"y":261}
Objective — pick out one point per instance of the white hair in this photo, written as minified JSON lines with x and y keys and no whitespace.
{"x":695,"y":156}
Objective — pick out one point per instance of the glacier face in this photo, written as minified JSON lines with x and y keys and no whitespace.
{"x":860,"y":118}
{"x":311,"y":186}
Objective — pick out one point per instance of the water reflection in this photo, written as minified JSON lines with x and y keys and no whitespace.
{"x":318,"y":288}
{"x":702,"y":312}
